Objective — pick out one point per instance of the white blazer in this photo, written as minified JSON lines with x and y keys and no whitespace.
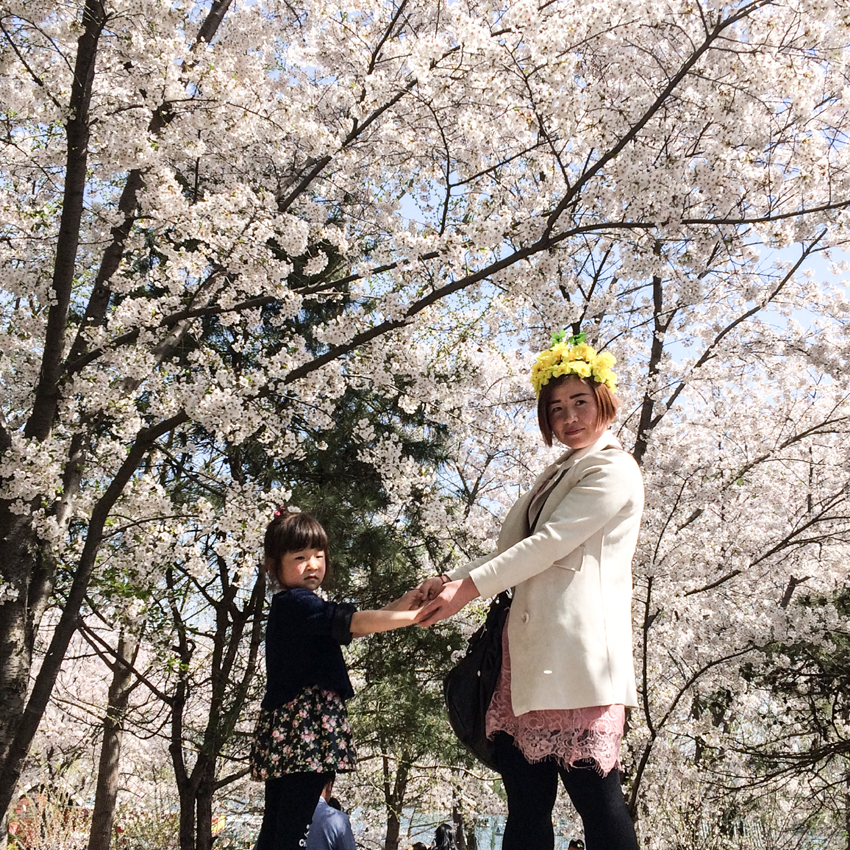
{"x":570,"y":629}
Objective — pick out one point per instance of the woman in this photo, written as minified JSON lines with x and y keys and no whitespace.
{"x":566,"y":548}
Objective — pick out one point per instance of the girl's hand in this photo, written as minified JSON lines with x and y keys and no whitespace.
{"x":409,"y":602}
{"x":453,"y":596}
{"x":430,"y":589}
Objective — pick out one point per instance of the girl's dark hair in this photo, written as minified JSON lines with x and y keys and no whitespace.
{"x":292,"y":531}
{"x":606,"y":403}
{"x":445,"y":838}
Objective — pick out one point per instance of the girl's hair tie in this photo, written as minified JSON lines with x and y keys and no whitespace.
{"x":281,"y":509}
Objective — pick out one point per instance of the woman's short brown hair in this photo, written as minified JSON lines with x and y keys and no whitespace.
{"x":606,"y":403}
{"x":293,"y":531}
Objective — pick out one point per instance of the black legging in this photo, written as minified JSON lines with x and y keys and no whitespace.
{"x":290,"y":803}
{"x":532,"y":789}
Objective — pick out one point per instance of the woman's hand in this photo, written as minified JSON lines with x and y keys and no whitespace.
{"x":453,"y":596}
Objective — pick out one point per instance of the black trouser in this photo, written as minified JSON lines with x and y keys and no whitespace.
{"x":290,"y":803}
{"x":532,"y":789}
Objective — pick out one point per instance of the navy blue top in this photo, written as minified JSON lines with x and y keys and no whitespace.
{"x":304,"y":634}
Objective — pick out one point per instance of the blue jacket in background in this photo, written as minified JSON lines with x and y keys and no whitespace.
{"x":330,"y":829}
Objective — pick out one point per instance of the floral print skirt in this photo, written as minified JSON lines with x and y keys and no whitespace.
{"x":309,"y":734}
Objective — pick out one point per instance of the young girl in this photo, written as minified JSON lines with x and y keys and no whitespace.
{"x":303,"y":734}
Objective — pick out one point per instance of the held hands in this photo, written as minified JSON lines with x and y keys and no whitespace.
{"x":451,"y":598}
{"x":429,"y":589}
{"x":433,"y":600}
{"x":396,"y":615}
{"x":414,"y":599}
{"x":411,"y":601}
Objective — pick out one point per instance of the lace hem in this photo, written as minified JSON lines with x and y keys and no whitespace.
{"x":569,"y":735}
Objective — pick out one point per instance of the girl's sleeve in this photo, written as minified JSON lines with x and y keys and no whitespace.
{"x":309,"y":614}
{"x":341,"y":624}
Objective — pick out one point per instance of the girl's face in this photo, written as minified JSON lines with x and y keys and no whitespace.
{"x":305,"y":568}
{"x":573,"y":414}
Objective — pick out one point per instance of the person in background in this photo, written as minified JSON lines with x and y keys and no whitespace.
{"x":331,"y":828}
{"x":566,"y":548}
{"x":444,"y":838}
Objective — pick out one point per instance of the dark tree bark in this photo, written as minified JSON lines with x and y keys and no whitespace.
{"x":28,"y":575}
{"x":106,"y":792}
{"x":394,"y":793}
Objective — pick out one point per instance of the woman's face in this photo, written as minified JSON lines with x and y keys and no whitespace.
{"x":573,"y":414}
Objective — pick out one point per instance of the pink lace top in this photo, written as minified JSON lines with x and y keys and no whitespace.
{"x":569,"y":734}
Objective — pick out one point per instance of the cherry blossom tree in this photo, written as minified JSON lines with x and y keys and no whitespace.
{"x":182,"y":184}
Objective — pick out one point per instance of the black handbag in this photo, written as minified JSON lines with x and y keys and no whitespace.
{"x":469,"y":686}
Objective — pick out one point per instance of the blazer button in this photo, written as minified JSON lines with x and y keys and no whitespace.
{"x":525,"y":617}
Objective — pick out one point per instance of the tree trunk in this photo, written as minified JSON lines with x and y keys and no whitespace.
{"x":106,"y":791}
{"x":186,"y":837}
{"x":77,"y":130}
{"x":21,"y":570}
{"x":393,"y":830}
{"x":196,"y":791}
{"x":648,"y":418}
{"x":457,"y":816}
{"x":394,"y":793}
{"x":458,"y":823}
{"x":204,"y":807}
{"x":16,"y":635}
{"x":847,"y":810}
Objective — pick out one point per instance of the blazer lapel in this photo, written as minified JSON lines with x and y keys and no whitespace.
{"x":526,"y":511}
{"x":565,"y":463}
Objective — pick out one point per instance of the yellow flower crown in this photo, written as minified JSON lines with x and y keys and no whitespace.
{"x":573,"y":356}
